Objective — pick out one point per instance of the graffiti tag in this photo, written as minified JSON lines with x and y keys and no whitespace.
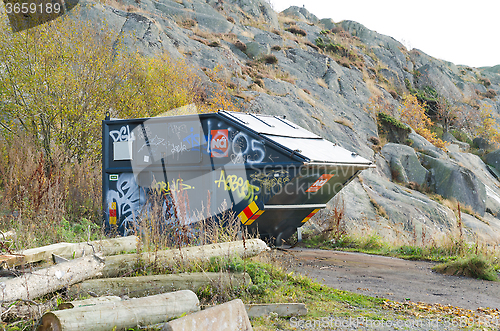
{"x":236,"y":184}
{"x":124,"y":134}
{"x":176,"y":185}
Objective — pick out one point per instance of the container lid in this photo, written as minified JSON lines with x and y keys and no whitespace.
{"x":303,"y":142}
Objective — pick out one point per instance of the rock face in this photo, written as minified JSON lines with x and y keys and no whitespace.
{"x":454,"y":181}
{"x":327,"y":90}
{"x":404,"y":163}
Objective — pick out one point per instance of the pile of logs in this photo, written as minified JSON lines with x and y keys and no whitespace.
{"x":94,"y":269}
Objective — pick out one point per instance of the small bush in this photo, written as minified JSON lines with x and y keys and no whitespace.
{"x":270,"y":59}
{"x":231,"y":20}
{"x":259,"y":82}
{"x":490,"y":93}
{"x":240,"y":45}
{"x":188,"y":23}
{"x":296,"y":30}
{"x":214,"y":43}
{"x":413,"y":186}
{"x":312,"y":46}
{"x":320,"y":42}
{"x":341,"y":32}
{"x":374,"y":140}
{"x":485,"y":81}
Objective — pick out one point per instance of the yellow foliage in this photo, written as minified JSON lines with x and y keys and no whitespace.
{"x":488,"y":128}
{"x":56,"y":84}
{"x":413,"y":113}
{"x":154,"y":86}
{"x":57,"y":81}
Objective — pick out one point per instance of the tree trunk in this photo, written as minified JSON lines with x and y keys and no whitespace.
{"x":40,"y":282}
{"x":118,"y":265}
{"x":88,"y":302}
{"x":135,"y":287}
{"x":122,"y":314}
{"x":71,"y":251}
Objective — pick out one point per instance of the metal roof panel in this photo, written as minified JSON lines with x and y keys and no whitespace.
{"x":270,"y":125}
{"x":320,"y":150}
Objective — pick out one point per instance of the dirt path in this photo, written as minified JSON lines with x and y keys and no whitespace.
{"x":393,"y":278}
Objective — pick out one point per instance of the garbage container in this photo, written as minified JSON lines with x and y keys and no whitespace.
{"x":270,"y":173}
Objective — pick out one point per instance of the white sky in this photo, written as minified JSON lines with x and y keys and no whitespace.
{"x":462,"y":32}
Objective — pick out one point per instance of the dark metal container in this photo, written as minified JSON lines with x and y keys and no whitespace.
{"x":271,"y":173}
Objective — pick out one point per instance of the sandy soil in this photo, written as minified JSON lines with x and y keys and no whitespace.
{"x":392,"y":278}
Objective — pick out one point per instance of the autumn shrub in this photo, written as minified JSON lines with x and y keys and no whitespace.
{"x":413,"y":113}
{"x":269,"y":59}
{"x":296,"y":30}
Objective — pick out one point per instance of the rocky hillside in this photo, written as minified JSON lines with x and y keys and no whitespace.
{"x":331,"y":78}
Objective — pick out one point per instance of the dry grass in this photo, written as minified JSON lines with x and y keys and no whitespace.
{"x":304,"y":96}
{"x":47,"y":201}
{"x":321,"y":82}
{"x":379,"y":209}
{"x":344,"y":121}
{"x":167,"y":221}
{"x":258,"y":69}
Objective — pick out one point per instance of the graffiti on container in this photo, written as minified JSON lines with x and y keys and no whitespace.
{"x":127,"y":196}
{"x":156,"y":141}
{"x":246,"y":149}
{"x":177,"y":149}
{"x":236,"y":184}
{"x":175,"y":185}
{"x":178,"y":129}
{"x":193,"y":140}
{"x":272,"y":179}
{"x":144,"y":133}
{"x":124,"y":134}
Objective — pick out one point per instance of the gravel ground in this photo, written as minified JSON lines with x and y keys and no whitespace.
{"x":411,"y":283}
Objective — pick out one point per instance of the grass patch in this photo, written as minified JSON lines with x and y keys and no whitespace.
{"x":472,"y":266}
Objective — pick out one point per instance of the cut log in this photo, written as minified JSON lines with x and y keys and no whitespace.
{"x":136,"y":287}
{"x":88,"y":302}
{"x":71,"y":251}
{"x":122,"y":314}
{"x":229,"y":316}
{"x":33,"y":285}
{"x":11,"y":259}
{"x":118,"y":265}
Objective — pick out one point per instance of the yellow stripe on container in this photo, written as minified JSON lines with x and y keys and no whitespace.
{"x":254,"y":217}
{"x":310,"y":215}
{"x":248,"y":212}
